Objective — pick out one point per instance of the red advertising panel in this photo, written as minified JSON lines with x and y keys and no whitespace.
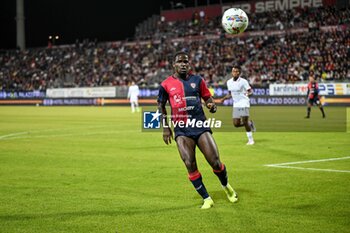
{"x":249,"y":7}
{"x":187,"y":13}
{"x":277,"y":5}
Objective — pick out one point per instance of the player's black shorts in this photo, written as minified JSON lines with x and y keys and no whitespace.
{"x":314,"y":100}
{"x":193,"y":133}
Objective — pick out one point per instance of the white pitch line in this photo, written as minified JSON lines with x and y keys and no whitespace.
{"x":68,"y":135}
{"x":283,"y":165}
{"x":312,"y":169}
{"x":16,"y":135}
{"x":12,"y":135}
{"x":311,"y":161}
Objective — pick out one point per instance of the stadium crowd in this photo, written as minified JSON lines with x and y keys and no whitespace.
{"x":280,"y":58}
{"x":311,"y":18}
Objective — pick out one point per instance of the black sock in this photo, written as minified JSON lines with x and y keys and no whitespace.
{"x":222,"y":175}
{"x":321,"y":108}
{"x":308,"y":111}
{"x":196,"y":179}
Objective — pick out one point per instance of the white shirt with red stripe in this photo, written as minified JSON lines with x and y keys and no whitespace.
{"x":239,"y":92}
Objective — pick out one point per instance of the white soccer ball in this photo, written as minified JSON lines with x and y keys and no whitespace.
{"x":234,"y":21}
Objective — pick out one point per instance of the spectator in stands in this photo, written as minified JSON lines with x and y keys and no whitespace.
{"x":265,"y":58}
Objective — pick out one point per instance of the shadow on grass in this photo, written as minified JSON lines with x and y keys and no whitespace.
{"x":140,"y":148}
{"x":221,"y":195}
{"x":77,"y":214}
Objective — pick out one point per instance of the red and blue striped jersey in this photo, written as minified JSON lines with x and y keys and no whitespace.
{"x":184,"y":96}
{"x":312,"y":90}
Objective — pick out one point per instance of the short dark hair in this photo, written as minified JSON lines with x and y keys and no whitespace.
{"x":236,"y":66}
{"x":179,"y":53}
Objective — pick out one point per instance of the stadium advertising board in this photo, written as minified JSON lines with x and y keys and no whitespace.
{"x":219,"y":92}
{"x":273,"y":100}
{"x":278,"y":5}
{"x":22,"y":94}
{"x":248,"y":7}
{"x":87,"y":92}
{"x":327,"y":89}
{"x":74,"y":101}
{"x":187,"y":13}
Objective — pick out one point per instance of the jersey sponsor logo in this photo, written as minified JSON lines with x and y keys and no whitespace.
{"x":186,"y":108}
{"x":173,"y":89}
{"x":190,"y":98}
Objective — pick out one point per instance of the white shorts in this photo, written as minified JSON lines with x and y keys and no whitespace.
{"x":240,"y":112}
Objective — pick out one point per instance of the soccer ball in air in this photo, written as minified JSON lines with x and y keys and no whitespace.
{"x":234,"y":21}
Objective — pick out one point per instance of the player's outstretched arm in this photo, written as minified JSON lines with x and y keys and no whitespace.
{"x":226,"y":97}
{"x":167,"y":132}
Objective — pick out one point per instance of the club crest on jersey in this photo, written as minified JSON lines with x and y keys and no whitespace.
{"x":177,"y":98}
{"x":193,"y":85}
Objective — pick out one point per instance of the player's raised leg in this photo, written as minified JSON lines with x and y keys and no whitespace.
{"x":308,"y":109}
{"x":132,"y":106}
{"x":252,"y":125}
{"x":137,"y":106}
{"x":237,"y":122}
{"x":248,"y":129}
{"x":187,"y":149}
{"x":321,"y":108}
{"x":208,"y":147}
{"x":322,"y":111}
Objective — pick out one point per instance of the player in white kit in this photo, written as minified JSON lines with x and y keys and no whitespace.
{"x":133,"y":95}
{"x":240,"y":90}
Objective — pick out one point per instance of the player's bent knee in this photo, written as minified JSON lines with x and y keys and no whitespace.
{"x":237,"y":124}
{"x":190,"y":165}
{"x":216,"y":164}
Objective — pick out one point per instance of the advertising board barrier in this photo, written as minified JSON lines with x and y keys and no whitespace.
{"x":327,"y":89}
{"x":22,"y":94}
{"x":83,"y":92}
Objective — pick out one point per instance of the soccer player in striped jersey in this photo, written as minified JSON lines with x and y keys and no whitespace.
{"x":313,"y":96}
{"x":184,"y":91}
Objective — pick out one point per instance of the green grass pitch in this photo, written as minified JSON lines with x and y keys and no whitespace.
{"x":91,"y":169}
